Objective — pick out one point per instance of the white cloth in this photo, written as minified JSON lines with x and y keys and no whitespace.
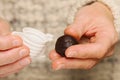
{"x":35,"y":40}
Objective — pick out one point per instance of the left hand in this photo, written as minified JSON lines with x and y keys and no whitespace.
{"x":96,"y":23}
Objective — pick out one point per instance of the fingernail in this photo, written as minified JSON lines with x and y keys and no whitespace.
{"x":16,"y":43}
{"x":23,"y":52}
{"x":25,"y":62}
{"x":71,"y":54}
{"x":61,"y":66}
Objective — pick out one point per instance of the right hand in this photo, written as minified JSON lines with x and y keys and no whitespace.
{"x":95,"y":22}
{"x":14,"y":55}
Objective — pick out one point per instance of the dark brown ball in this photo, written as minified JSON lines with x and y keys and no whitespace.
{"x":63,"y":43}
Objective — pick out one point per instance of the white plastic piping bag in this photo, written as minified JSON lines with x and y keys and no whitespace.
{"x":35,"y":40}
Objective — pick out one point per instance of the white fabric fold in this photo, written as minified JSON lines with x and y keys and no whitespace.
{"x":35,"y":40}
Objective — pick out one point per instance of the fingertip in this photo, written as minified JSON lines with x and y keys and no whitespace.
{"x":27,"y":48}
{"x":58,"y":64}
{"x":17,"y":38}
{"x":70,"y":30}
{"x":26,"y":61}
{"x":70,"y":52}
{"x":53,"y":55}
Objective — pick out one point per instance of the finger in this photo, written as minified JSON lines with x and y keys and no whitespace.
{"x":64,"y":63}
{"x":83,"y":51}
{"x":53,"y":55}
{"x":15,"y":66}
{"x":4,"y":27}
{"x":9,"y":73}
{"x":10,"y":56}
{"x":7,"y":42}
{"x":76,"y":30}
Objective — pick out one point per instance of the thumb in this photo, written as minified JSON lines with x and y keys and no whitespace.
{"x":75,"y":30}
{"x":86,"y":51}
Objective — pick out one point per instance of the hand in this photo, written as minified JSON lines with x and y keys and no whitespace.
{"x":14,"y":56}
{"x":94,"y":22}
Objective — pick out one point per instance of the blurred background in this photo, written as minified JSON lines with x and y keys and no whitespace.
{"x":50,"y":16}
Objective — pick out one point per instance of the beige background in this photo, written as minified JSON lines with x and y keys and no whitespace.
{"x":51,"y":16}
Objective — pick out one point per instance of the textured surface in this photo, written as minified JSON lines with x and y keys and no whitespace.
{"x":51,"y":16}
